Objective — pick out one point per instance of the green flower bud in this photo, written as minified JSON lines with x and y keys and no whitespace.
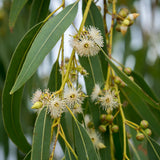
{"x":102,"y":128}
{"x":90,"y":125}
{"x":128,"y":70}
{"x":144,"y":124}
{"x":37,"y":105}
{"x":115,"y":128}
{"x":117,"y":80}
{"x":118,"y":27}
{"x":123,"y":12}
{"x":126,"y":22}
{"x":148,"y":132}
{"x":129,"y":135}
{"x":109,"y":118}
{"x":122,"y":84}
{"x":139,"y":136}
{"x":103,"y":118}
{"x":131,"y":78}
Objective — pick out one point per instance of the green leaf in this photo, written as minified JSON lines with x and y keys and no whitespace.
{"x":44,"y":42}
{"x":39,"y":11}
{"x":69,"y":155}
{"x":55,"y":78}
{"x":83,"y":143}
{"x":153,"y":149}
{"x":141,"y":82}
{"x":142,"y":109}
{"x":132,"y":85}
{"x":94,"y":18}
{"x":41,"y":136}
{"x":11,"y":103}
{"x":16,"y":8}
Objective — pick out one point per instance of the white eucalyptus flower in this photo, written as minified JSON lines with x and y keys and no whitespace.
{"x":96,"y":92}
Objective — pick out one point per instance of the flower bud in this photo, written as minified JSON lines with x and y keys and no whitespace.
{"x":131,"y":78}
{"x":117,"y":80}
{"x":120,"y":68}
{"x":122,"y":84}
{"x":109,"y":118}
{"x":139,"y":136}
{"x":102,"y":128}
{"x":148,"y":132}
{"x":99,"y":8}
{"x":126,"y":22}
{"x":66,"y":60}
{"x":123,"y":12}
{"x":132,"y":16}
{"x":118,"y":27}
{"x":101,"y":145}
{"x":103,"y":118}
{"x":37,"y":105}
{"x":123,"y":29}
{"x":128,"y":70}
{"x":115,"y":128}
{"x":129,"y":135}
{"x":144,"y":124}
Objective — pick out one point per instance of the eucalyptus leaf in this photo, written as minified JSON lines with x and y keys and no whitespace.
{"x":41,"y":136}
{"x":44,"y":42}
{"x":11,"y":103}
{"x":16,"y":8}
{"x":83,"y":143}
{"x":132,"y":85}
{"x":39,"y":11}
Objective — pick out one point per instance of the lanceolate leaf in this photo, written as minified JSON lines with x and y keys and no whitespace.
{"x":133,"y":86}
{"x":11,"y":103}
{"x":142,"y":109}
{"x":39,"y":11}
{"x":83,"y":143}
{"x":16,"y":7}
{"x":41,"y":136}
{"x":44,"y":42}
{"x":55,"y":78}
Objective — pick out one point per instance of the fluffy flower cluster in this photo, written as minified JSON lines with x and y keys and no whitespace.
{"x":106,"y":98}
{"x":72,"y":98}
{"x":87,"y":43}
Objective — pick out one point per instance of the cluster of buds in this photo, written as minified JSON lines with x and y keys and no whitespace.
{"x":124,"y":20}
{"x":56,"y":104}
{"x":106,"y":98}
{"x":93,"y":134}
{"x":74,"y":70}
{"x":119,"y":81}
{"x":143,"y":125}
{"x":107,"y":119}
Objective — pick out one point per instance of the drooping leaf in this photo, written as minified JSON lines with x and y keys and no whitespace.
{"x":39,"y":11}
{"x":153,"y":149}
{"x":16,"y":8}
{"x":69,"y":155}
{"x":44,"y":42}
{"x":83,"y":143}
{"x":142,"y":109}
{"x":133,"y":86}
{"x":55,"y":78}
{"x":11,"y":103}
{"x":41,"y":136}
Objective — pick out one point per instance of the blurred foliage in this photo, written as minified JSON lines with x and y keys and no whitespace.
{"x":10,"y":38}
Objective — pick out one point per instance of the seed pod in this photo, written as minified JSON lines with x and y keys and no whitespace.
{"x":117,"y":80}
{"x":103,"y":118}
{"x":139,"y":136}
{"x":144,"y":124}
